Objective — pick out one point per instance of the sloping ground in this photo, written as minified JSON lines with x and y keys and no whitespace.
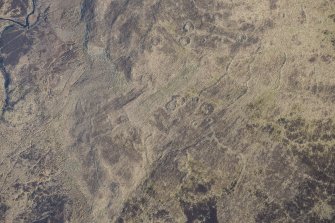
{"x":167,"y":111}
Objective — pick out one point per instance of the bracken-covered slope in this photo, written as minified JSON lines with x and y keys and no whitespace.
{"x":167,"y":111}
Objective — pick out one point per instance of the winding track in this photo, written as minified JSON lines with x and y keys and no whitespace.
{"x":26,"y":25}
{"x":6,"y":75}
